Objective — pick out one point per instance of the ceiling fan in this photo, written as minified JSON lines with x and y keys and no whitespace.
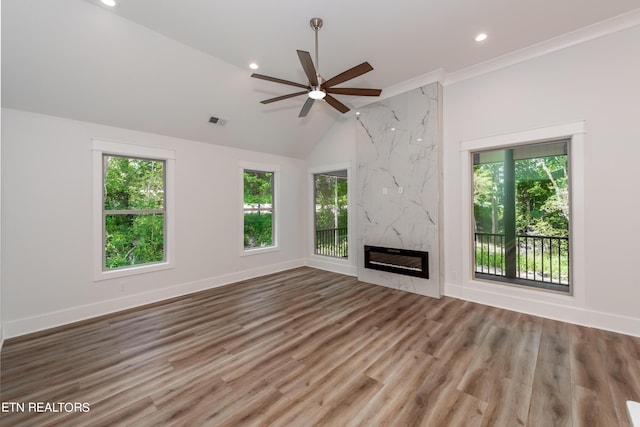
{"x":318,"y":88}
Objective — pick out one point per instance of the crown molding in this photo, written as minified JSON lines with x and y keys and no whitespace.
{"x":582,"y":35}
{"x":414,"y":83}
{"x":585,"y":34}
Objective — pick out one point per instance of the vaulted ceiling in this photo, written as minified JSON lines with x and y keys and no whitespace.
{"x":166,"y":66}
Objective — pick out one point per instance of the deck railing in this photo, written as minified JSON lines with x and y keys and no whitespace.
{"x":332,"y":242}
{"x":540,"y":259}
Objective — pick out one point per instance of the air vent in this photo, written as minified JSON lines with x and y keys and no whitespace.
{"x":217,"y":121}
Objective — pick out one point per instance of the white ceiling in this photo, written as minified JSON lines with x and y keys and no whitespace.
{"x":77,"y":59}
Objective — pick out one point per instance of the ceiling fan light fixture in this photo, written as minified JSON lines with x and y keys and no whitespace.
{"x":316,"y":93}
{"x":319,"y":88}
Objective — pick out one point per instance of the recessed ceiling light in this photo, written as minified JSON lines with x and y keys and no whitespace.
{"x":419,"y":139}
{"x":481,"y":37}
{"x":357,"y":113}
{"x":110,"y":3}
{"x":253,"y":66}
{"x":393,"y":129}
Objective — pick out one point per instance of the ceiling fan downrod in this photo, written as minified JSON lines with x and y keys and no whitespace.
{"x":316,"y":24}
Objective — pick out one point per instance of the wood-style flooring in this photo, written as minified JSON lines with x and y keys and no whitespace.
{"x":308,"y":347}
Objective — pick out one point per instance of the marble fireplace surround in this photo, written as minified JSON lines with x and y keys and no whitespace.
{"x":399,"y":181}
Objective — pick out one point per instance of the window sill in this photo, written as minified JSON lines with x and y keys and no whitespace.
{"x":131,"y":271}
{"x":257,"y":251}
{"x":520,"y":291}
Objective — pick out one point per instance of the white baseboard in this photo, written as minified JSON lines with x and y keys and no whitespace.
{"x":337,"y":266}
{"x":615,"y":323}
{"x":580,"y":316}
{"x":563,"y":312}
{"x":49,"y":320}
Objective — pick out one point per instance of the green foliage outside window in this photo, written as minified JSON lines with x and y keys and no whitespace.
{"x":331,"y":214}
{"x":541,"y":214}
{"x":258,"y":209}
{"x":542,"y":197}
{"x":331,"y":202}
{"x":134,"y":219}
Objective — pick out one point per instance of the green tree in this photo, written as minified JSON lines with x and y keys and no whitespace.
{"x":331,"y":202}
{"x":542,"y":196}
{"x":488,"y":187}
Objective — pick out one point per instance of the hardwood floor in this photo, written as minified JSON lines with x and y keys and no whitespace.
{"x":307,"y":347}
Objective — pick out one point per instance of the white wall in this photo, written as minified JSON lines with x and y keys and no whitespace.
{"x":338,"y":145}
{"x":597,"y":82}
{"x":1,"y":330}
{"x":47,"y":222}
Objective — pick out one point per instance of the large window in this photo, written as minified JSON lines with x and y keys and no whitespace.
{"x":133,"y":210}
{"x":331,"y":213}
{"x":521,"y":215}
{"x":259,"y":209}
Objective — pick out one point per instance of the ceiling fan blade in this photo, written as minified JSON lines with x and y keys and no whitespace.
{"x":306,"y":107}
{"x":336,"y":104}
{"x":351,"y":73}
{"x":276,"y":80}
{"x":307,"y":66}
{"x":280,"y":98}
{"x":354,"y":91}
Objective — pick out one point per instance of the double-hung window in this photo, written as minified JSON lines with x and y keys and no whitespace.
{"x":133,"y":209}
{"x":259,"y":208}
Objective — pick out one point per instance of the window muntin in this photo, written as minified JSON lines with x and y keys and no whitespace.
{"x":258,"y":209}
{"x":521,"y":215}
{"x":134,"y":211}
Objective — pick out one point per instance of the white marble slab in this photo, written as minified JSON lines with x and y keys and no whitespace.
{"x":634,"y":412}
{"x":398,"y":182}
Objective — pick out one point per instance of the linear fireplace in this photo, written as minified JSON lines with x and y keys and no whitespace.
{"x":400,"y":261}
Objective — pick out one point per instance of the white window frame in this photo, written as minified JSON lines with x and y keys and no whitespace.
{"x":574,"y":131}
{"x":261,"y":167}
{"x":101,"y":147}
{"x":311,"y":172}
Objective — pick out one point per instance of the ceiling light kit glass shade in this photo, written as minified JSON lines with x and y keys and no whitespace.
{"x":110,"y":3}
{"x":317,"y":93}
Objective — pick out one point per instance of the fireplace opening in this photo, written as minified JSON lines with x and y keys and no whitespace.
{"x":400,"y":261}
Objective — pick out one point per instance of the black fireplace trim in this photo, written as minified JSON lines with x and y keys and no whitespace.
{"x":424,"y":261}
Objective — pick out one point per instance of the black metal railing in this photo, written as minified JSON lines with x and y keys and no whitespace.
{"x":332,"y":242}
{"x":539,"y":259}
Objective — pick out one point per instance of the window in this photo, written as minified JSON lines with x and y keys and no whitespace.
{"x":331,"y":214}
{"x":134,"y":213}
{"x":521,"y":215}
{"x":259,"y":209}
